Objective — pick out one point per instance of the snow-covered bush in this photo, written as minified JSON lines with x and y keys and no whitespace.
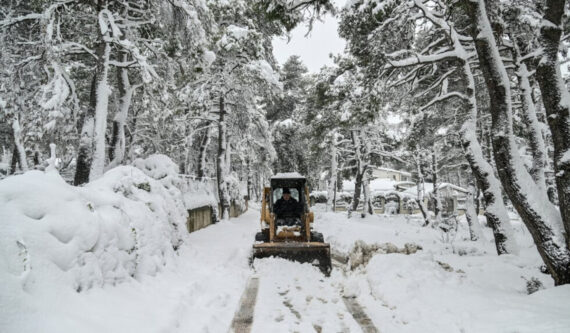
{"x":124,"y":225}
{"x":236,"y":191}
{"x":318,"y":197}
{"x":533,"y":285}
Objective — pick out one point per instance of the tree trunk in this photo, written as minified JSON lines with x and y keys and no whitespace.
{"x":19,"y":156}
{"x":91,"y":152}
{"x":360,"y":169}
{"x":495,"y":210}
{"x":333,"y":174}
{"x":437,"y":208}
{"x":357,"y":191}
{"x":118,"y":138}
{"x":535,"y":139}
{"x":421,"y":190}
{"x":249,"y":179}
{"x":556,"y":103}
{"x":221,"y":165}
{"x":475,"y":231}
{"x":366,"y":200}
{"x":541,"y":218}
{"x":203,"y":152}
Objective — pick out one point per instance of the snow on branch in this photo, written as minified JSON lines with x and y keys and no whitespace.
{"x":422,"y":59}
{"x":445,"y":97}
{"x":437,"y":83}
{"x":9,"y":21}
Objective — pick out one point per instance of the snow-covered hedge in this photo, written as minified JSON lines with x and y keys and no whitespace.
{"x":127,"y":224}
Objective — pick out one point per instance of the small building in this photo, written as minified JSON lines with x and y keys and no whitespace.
{"x":453,"y":197}
{"x":395,"y":175}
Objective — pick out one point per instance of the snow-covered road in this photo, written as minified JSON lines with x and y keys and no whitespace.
{"x":446,"y":287}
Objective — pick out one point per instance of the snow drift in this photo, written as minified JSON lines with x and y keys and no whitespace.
{"x":125,"y":225}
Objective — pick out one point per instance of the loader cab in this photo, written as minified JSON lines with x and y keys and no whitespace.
{"x":296,"y":185}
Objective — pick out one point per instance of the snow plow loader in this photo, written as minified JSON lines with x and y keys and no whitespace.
{"x":286,"y":233}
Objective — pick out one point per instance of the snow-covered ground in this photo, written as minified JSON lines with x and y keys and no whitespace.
{"x":199,"y":292}
{"x":448,"y":286}
{"x":457,"y":286}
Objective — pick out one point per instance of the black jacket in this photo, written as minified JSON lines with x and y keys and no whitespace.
{"x":287,"y":208}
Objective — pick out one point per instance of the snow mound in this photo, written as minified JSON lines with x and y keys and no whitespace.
{"x":157,"y":166}
{"x":122,"y":226}
{"x":362,"y":252}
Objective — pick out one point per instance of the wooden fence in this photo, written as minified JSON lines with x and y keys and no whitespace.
{"x":199,"y":218}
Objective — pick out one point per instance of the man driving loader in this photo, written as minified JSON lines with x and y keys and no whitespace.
{"x":287,"y":210}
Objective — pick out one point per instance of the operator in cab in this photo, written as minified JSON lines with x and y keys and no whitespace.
{"x":287,"y":209}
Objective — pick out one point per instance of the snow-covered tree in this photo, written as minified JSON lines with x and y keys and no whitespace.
{"x":435,"y":63}
{"x":543,"y":219}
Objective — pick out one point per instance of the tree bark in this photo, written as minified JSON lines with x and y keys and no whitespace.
{"x":366,"y":202}
{"x":333,"y":174}
{"x":91,"y":151}
{"x":203,"y":152}
{"x":495,"y":210}
{"x":556,"y":103}
{"x":19,"y":156}
{"x":535,"y":139}
{"x":437,"y":208}
{"x":471,"y":215}
{"x":421,"y":190}
{"x":221,"y":165}
{"x":360,"y":168}
{"x":541,"y":218}
{"x":118,"y":139}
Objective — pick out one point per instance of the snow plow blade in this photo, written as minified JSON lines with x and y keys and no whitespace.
{"x":315,"y":253}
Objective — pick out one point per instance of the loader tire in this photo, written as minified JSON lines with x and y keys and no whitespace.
{"x":261,"y":237}
{"x":317,"y":237}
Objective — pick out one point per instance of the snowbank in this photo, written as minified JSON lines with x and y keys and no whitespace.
{"x":120,"y":227}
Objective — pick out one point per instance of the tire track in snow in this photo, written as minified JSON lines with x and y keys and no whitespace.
{"x":244,"y":316}
{"x":355,"y":309}
{"x":359,"y":315}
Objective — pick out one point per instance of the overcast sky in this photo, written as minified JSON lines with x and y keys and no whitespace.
{"x":314,"y":49}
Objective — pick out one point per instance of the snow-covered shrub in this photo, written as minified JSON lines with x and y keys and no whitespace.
{"x":318,"y":197}
{"x":377,"y":199}
{"x":159,"y":167}
{"x":236,"y":191}
{"x":344,"y":198}
{"x":124,"y":225}
{"x":533,"y":285}
{"x":410,"y":204}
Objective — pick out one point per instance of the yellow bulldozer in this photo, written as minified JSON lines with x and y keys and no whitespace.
{"x":290,"y":237}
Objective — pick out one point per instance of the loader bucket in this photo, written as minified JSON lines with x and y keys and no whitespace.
{"x":315,"y":253}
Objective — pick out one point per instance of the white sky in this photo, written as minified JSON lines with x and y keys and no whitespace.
{"x":314,"y":49}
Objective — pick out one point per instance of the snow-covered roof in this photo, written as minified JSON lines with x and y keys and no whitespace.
{"x":405,"y":184}
{"x":405,"y":173}
{"x":380,"y":184}
{"x":288,"y":175}
{"x":429,"y":188}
